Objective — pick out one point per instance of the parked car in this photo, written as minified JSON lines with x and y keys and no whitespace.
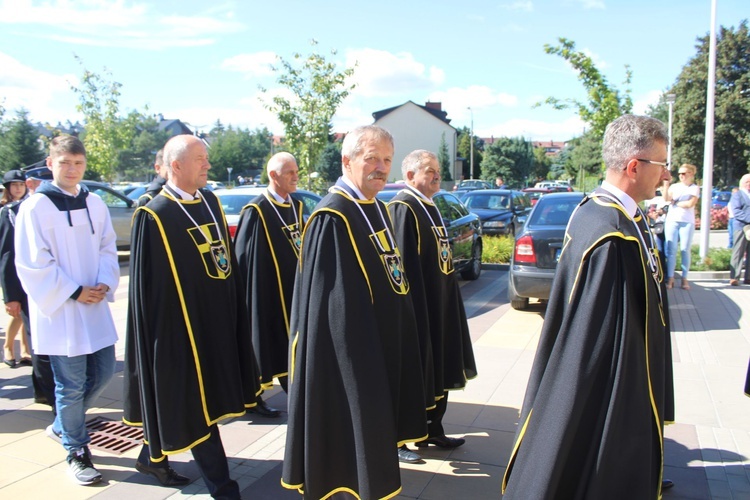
{"x":214,"y":185}
{"x":464,"y":230}
{"x":536,"y":193}
{"x":470,"y":184}
{"x":121,"y":210}
{"x":136,"y":192}
{"x":537,"y":248}
{"x":720,"y":199}
{"x":232,"y":201}
{"x":502,"y":211}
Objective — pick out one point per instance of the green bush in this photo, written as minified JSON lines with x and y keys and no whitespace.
{"x":717,"y":259}
{"x":497,"y":249}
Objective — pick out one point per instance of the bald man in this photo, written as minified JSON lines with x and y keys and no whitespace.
{"x":189,"y":360}
{"x":268,"y":239}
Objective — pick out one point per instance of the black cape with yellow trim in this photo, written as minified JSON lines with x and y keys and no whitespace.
{"x":441,"y":317}
{"x":355,"y":380}
{"x":591,"y":425}
{"x":267,"y":252}
{"x":188,"y":357}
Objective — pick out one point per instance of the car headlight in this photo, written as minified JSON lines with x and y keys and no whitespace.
{"x":494,"y":223}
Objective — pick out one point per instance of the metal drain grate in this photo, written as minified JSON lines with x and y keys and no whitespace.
{"x":113,"y":437}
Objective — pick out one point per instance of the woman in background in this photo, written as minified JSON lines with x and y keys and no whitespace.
{"x":680,"y":223}
{"x":15,"y":190}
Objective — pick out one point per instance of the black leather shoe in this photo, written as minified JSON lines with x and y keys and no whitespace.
{"x":442,"y":442}
{"x":666,"y":484}
{"x":264,"y":410}
{"x":407,"y":456}
{"x":165,"y":475}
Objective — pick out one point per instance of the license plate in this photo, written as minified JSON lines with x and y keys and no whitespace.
{"x":557,"y":254}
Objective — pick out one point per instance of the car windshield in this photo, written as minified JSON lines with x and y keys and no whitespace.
{"x":554,"y":212}
{"x":487,"y":201}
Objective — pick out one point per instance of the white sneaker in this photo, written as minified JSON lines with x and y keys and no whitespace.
{"x":52,"y":434}
{"x":81,"y":469}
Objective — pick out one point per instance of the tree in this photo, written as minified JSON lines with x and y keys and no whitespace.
{"x":582,"y":158}
{"x":464,"y":151}
{"x":732,"y":109}
{"x":318,"y":90}
{"x":510,"y":158}
{"x":444,"y":160}
{"x":329,"y":163}
{"x":136,"y":162}
{"x":239,"y":149}
{"x":106,"y":133}
{"x":19,"y":142}
{"x":542,"y":163}
{"x":604,"y":101}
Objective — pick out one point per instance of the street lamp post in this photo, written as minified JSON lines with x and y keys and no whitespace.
{"x":471,"y":143}
{"x":670,"y":98}
{"x":229,"y":176}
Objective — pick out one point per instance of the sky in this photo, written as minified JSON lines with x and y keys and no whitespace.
{"x":484,"y":61}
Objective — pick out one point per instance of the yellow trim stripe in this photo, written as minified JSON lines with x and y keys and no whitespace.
{"x":513,"y":453}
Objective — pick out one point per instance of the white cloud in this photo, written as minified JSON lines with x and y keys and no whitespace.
{"x":523,"y":5}
{"x":381,"y":73}
{"x":456,"y":101}
{"x":536,"y":130}
{"x":589,"y":4}
{"x":46,"y":96}
{"x":596,"y":58}
{"x":641,"y":104}
{"x":115,"y":23}
{"x":253,"y":65}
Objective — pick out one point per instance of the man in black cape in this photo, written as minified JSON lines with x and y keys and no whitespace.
{"x":157,"y":184}
{"x":355,"y":379}
{"x":423,"y":240}
{"x":189,"y":360}
{"x":269,"y":235}
{"x":592,"y":420}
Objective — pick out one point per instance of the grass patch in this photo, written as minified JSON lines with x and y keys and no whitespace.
{"x":497,"y":249}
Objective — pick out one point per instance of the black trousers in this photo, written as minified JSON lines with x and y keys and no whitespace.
{"x":435,"y":417}
{"x":212,"y":462}
{"x":41,"y":371}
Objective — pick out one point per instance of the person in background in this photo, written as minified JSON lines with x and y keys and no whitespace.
{"x":499,"y":184}
{"x":13,"y":294}
{"x":157,"y":184}
{"x":66,"y":259}
{"x":680,"y":223}
{"x":267,"y":242}
{"x":739,"y":204}
{"x":428,"y":261}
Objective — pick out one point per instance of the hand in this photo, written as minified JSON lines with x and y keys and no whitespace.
{"x":13,"y":308}
{"x":92,"y":294}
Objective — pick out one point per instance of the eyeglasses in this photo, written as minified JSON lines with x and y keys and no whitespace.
{"x":664,"y":164}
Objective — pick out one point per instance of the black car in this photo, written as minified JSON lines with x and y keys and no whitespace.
{"x":502,"y":211}
{"x":538,"y":247}
{"x":464,"y":231}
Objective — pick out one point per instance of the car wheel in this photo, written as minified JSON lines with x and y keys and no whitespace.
{"x":516,"y":302}
{"x":475,"y":268}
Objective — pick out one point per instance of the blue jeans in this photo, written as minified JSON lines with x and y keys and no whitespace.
{"x":730,"y":231}
{"x":681,"y":232}
{"x":79,"y":380}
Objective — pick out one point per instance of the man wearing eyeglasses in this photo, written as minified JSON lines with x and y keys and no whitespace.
{"x":592,"y":420}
